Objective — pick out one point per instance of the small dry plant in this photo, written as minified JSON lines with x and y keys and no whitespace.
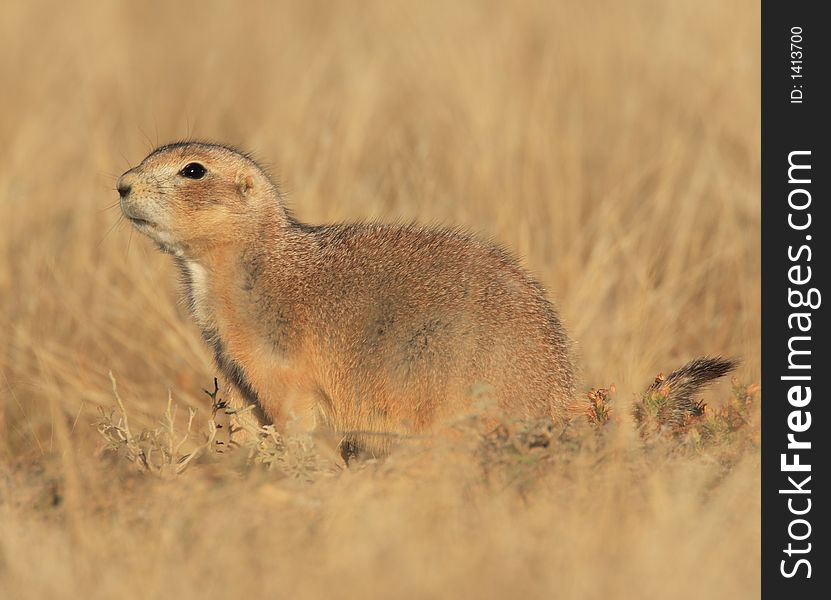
{"x":165,"y":451}
{"x":161,"y":450}
{"x":599,"y":412}
{"x":294,"y":456}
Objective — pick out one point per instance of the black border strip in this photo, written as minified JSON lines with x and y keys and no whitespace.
{"x":794,"y":101}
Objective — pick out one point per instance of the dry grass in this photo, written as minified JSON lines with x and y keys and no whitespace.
{"x":614,"y":145}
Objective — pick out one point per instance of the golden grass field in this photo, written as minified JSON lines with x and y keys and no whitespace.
{"x":613,"y":145}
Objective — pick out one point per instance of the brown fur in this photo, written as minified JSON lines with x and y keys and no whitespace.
{"x":350,"y":328}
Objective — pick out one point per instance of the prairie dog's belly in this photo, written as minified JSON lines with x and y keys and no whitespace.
{"x":284,"y":386}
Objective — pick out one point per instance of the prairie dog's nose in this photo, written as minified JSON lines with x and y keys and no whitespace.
{"x":124,"y":186}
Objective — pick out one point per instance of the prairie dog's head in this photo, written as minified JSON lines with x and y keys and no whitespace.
{"x":191,"y":196}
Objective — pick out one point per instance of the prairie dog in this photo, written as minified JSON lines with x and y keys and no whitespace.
{"x":346,"y":327}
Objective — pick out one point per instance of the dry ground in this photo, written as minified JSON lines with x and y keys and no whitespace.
{"x":613,"y":145}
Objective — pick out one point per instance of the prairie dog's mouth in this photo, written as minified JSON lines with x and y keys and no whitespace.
{"x":165,"y":241}
{"x":138,"y":221}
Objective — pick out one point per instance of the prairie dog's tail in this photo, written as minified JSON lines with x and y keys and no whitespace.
{"x":678,"y":390}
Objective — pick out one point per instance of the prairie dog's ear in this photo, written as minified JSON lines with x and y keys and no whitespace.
{"x":245,"y":183}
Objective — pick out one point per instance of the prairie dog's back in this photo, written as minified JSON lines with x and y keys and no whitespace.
{"x":424,"y":314}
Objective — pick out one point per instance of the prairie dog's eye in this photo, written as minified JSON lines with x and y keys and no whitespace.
{"x":193,"y":171}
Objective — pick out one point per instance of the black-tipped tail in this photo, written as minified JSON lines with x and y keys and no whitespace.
{"x":674,"y":397}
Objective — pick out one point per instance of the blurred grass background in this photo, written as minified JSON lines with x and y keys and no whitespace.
{"x":613,"y":145}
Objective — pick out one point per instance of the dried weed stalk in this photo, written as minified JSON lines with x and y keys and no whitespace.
{"x":160,"y":450}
